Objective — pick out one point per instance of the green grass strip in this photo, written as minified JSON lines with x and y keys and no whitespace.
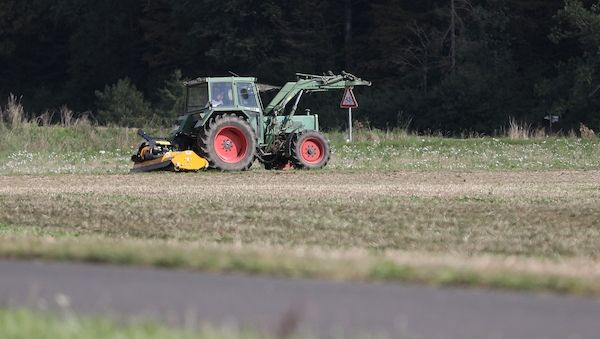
{"x":281,"y":263}
{"x":22,"y":324}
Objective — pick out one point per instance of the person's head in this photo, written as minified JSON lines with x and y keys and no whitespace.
{"x":220,"y":96}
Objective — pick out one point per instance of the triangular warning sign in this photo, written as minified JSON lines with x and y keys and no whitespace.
{"x":349,"y":100}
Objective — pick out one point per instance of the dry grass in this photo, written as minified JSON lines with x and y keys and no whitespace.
{"x":13,"y":115}
{"x":519,"y":130}
{"x":543,"y":214}
{"x":577,"y":276}
{"x":586,"y":132}
{"x":543,"y":224}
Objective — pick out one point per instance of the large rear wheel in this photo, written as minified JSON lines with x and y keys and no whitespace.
{"x":228,"y":143}
{"x":310,"y":150}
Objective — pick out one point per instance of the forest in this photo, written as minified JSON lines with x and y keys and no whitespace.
{"x":437,"y":66}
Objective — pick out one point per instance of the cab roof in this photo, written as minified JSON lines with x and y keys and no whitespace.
{"x":202,"y":80}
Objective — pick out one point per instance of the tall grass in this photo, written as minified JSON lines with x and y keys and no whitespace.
{"x":57,"y":139}
{"x":520,"y":130}
{"x":517,"y":130}
{"x":586,"y":132}
{"x":71,"y":133}
{"x":398,"y":148}
{"x":12,"y":116}
{"x":370,"y":135}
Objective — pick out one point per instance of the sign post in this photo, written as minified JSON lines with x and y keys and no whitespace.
{"x":349,"y":102}
{"x":551,"y":119}
{"x":349,"y":124}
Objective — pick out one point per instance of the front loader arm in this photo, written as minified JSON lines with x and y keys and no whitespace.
{"x":311,"y":83}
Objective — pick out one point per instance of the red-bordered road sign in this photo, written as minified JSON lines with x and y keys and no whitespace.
{"x":349,"y":100}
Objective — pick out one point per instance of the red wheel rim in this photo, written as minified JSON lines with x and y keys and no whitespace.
{"x":311,"y":150}
{"x":231,"y":144}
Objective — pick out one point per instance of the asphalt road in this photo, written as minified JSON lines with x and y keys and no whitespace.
{"x":279,"y":305}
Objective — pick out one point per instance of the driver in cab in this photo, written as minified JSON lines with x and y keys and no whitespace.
{"x":217,"y":101}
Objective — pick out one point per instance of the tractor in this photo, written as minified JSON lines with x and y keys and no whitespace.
{"x":227,"y":127}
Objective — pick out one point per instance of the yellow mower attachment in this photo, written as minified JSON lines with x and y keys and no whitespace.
{"x":187,"y":161}
{"x":175,"y":161}
{"x":156,"y":155}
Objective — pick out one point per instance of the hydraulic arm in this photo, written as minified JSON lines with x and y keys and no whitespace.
{"x":311,"y":83}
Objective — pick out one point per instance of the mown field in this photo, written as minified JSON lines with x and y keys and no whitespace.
{"x":482,"y":212}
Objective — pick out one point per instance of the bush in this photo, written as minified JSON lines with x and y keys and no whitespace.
{"x":123,"y":104}
{"x":171,"y":97}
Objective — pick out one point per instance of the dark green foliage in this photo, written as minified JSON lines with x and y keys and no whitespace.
{"x":450,"y":71}
{"x":123,"y":104}
{"x":171,"y":96}
{"x":578,"y":79}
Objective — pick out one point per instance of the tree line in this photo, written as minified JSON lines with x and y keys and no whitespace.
{"x":449,"y":66}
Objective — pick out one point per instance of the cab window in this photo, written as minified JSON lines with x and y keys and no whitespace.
{"x":246,"y":94}
{"x":221,"y":94}
{"x":197,"y":97}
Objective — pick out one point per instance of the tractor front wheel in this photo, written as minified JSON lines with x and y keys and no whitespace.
{"x":310,"y":150}
{"x":228,"y":143}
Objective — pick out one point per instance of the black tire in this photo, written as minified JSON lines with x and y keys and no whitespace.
{"x":235,"y":135}
{"x":310,"y":150}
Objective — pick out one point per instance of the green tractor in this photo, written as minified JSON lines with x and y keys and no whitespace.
{"x":225,"y":122}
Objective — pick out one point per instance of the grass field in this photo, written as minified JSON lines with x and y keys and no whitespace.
{"x":485,"y":212}
{"x":30,"y":149}
{"x":26,"y":325}
{"x":64,"y":324}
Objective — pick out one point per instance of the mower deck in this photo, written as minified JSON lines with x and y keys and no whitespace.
{"x":177,"y":161}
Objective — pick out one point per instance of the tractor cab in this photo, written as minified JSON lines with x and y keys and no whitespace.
{"x":207,"y":98}
{"x":222,"y":94}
